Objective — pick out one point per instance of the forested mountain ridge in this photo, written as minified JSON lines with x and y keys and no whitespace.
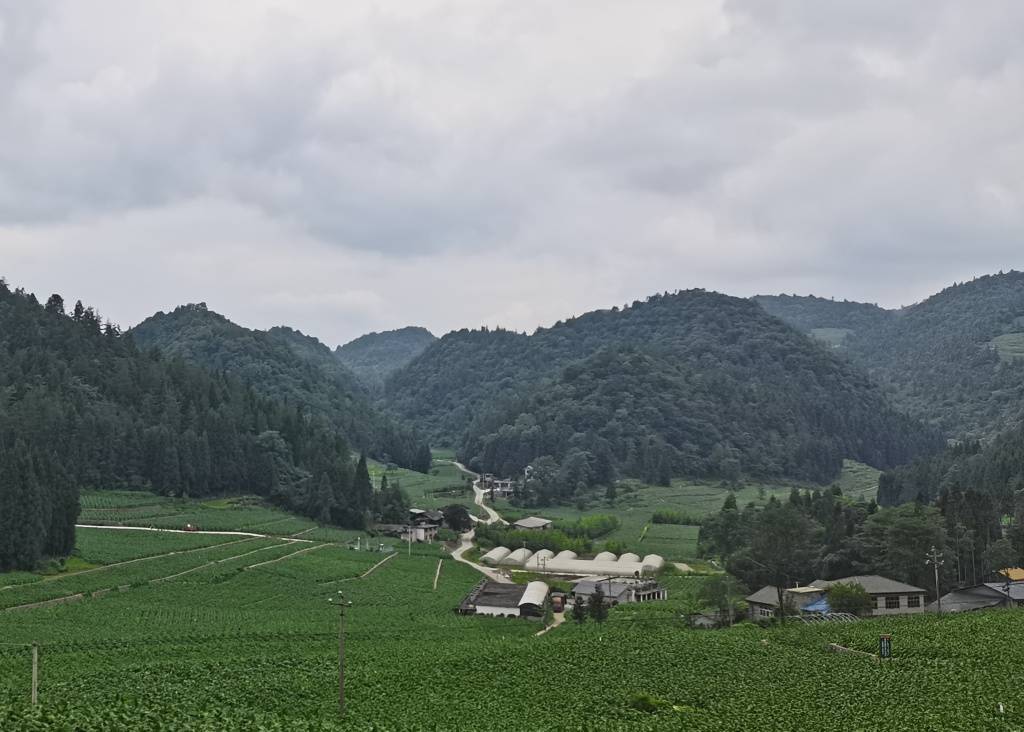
{"x":375,"y":356}
{"x":285,"y":365}
{"x":692,"y":383}
{"x":954,"y":360}
{"x":81,"y":407}
{"x":939,"y":359}
{"x":830,"y":320}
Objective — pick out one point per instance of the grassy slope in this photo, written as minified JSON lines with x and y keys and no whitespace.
{"x":833,"y":337}
{"x":638,"y":502}
{"x":1010,"y":346}
{"x":238,"y":513}
{"x":444,"y":485}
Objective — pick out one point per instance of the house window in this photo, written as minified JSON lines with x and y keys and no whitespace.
{"x":765,"y":612}
{"x":892,"y":603}
{"x":914,"y":601}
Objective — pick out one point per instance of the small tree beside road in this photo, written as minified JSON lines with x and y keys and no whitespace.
{"x":579,"y":610}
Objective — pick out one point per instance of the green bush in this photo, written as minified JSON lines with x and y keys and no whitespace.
{"x":670,"y":516}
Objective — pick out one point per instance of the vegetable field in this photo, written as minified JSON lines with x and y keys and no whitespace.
{"x":239,"y":635}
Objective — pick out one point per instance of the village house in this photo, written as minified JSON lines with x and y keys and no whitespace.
{"x":506,"y":600}
{"x":889,"y":597}
{"x":499,"y":487}
{"x":421,"y":517}
{"x":422,"y":526}
{"x":533,"y":523}
{"x":618,"y":590}
{"x":981,"y":597}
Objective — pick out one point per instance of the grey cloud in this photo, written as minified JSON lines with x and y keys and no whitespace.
{"x":579,"y":154}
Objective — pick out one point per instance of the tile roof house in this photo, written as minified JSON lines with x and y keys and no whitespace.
{"x":532,"y":523}
{"x":981,"y":597}
{"x":618,"y":590}
{"x":890,"y":597}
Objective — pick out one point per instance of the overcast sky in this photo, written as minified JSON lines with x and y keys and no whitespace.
{"x":350,"y":166}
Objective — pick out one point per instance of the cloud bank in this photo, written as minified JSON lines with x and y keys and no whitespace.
{"x":346,"y":167}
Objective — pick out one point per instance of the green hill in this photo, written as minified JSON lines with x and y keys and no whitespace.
{"x":938,"y":362}
{"x":953,"y":360}
{"x":81,"y":407}
{"x":375,"y":356}
{"x":828,"y":320}
{"x":693,"y":383}
{"x":288,"y":366}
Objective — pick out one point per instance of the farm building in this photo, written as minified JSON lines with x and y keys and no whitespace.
{"x":422,"y":526}
{"x":408,"y":532}
{"x":619,"y":591}
{"x":533,"y":523}
{"x":506,"y":600}
{"x":420,"y":517}
{"x":890,"y":597}
{"x":981,"y":597}
{"x":499,"y":487}
{"x":567,"y":562}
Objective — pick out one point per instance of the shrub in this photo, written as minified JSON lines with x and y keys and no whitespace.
{"x":849,"y":598}
{"x":671,"y":516}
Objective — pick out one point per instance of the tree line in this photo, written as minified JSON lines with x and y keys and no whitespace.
{"x":824,"y":535}
{"x":82,"y":408}
{"x":289,"y":367}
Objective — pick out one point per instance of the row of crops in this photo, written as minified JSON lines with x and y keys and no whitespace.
{"x":132,"y":508}
{"x":230,"y":645}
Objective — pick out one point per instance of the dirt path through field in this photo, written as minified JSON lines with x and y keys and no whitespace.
{"x":52,"y":577}
{"x":183,"y":531}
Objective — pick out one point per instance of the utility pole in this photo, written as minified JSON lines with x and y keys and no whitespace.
{"x":342,"y":605}
{"x":935,"y":559}
{"x":35,"y":673}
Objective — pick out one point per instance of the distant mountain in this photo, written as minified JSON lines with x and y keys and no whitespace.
{"x":955,"y":360}
{"x":694,"y":383}
{"x":375,"y":356}
{"x":289,"y":367}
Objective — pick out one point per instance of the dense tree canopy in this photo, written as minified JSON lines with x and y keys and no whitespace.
{"x":938,"y":360}
{"x":825,"y":535}
{"x":292,"y":368}
{"x":693,"y":383}
{"x":375,"y":356}
{"x":81,"y":407}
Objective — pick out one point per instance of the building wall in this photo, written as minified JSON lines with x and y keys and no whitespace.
{"x":904,"y":608}
{"x":491,"y":610}
{"x":760,"y":613}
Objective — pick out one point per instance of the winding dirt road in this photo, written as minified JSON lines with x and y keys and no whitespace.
{"x":466,"y":540}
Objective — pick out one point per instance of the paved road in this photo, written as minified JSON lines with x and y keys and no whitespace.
{"x":492,"y":515}
{"x":466,"y":545}
{"x":466,"y":540}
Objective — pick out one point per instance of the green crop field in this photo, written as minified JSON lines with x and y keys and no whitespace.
{"x":238,"y":513}
{"x":444,"y":486}
{"x":233,"y":645}
{"x":103,"y":546}
{"x":1009,"y":346}
{"x":833,"y":337}
{"x":637,"y":502}
{"x":858,"y":481}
